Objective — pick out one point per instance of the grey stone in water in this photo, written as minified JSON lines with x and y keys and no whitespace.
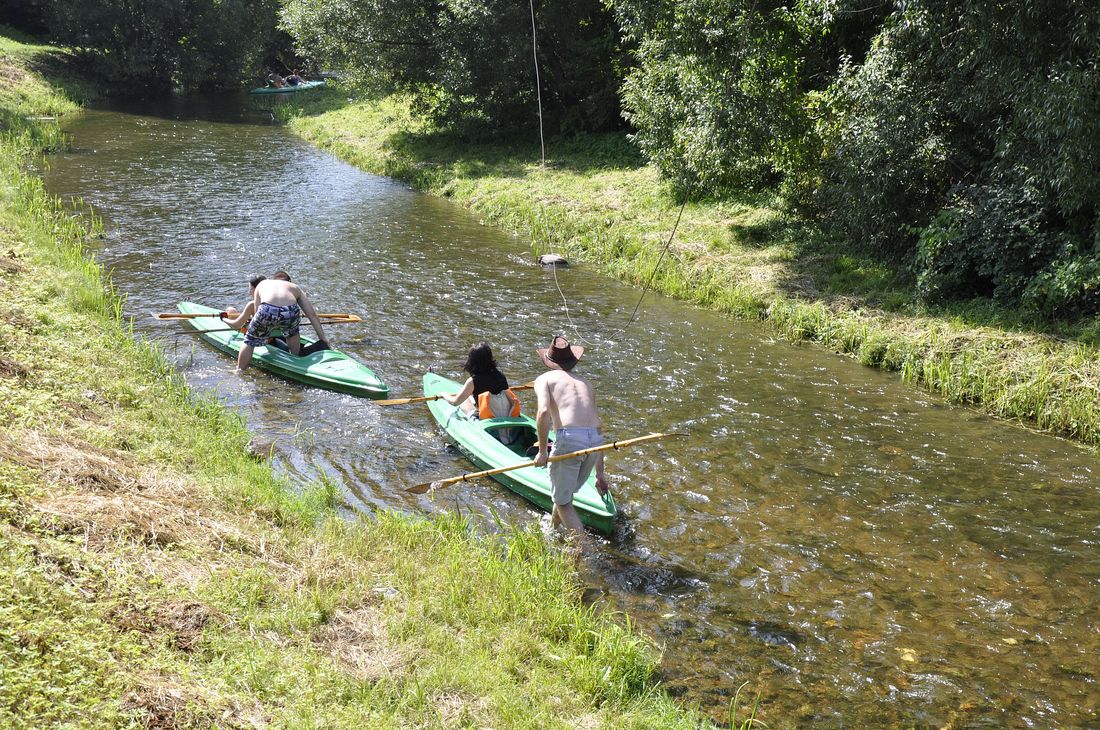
{"x":552,"y":260}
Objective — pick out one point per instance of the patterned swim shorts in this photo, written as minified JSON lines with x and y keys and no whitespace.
{"x":269,"y":317}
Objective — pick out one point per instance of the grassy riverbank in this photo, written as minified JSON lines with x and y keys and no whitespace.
{"x":597,"y":201}
{"x":155,"y":575}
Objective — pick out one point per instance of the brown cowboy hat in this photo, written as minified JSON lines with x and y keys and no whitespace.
{"x":560,"y":355}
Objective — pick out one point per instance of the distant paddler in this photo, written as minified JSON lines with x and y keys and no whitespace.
{"x":278,"y":304}
{"x":567,"y":402}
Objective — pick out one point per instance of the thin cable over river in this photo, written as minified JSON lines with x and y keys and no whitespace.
{"x":858,"y":552}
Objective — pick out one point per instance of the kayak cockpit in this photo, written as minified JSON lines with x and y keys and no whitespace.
{"x":515,"y":433}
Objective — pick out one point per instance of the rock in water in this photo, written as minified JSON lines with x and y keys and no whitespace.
{"x":552,"y":260}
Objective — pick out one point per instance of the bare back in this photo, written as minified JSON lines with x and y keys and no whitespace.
{"x":277,"y":292}
{"x":568,"y":398}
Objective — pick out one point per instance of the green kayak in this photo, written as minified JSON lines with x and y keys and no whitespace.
{"x":287,"y":89}
{"x":475,"y":439}
{"x":329,"y":369}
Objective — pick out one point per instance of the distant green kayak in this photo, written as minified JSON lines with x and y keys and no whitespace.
{"x":288,"y":89}
{"x":329,"y":369}
{"x":475,"y":439}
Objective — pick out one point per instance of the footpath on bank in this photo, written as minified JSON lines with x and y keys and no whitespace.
{"x":596,"y":200}
{"x":153,"y":574}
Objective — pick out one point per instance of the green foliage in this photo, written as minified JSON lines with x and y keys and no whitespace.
{"x":721,"y":93}
{"x":469,"y":62}
{"x":955,"y":140}
{"x":715,"y":87}
{"x":163,"y":43}
{"x":886,"y":155}
{"x":966,"y":141}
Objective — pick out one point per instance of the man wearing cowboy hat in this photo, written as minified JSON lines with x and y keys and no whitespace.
{"x":566,"y":402}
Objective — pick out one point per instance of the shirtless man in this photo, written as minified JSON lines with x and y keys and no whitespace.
{"x":279,"y":304}
{"x":566,"y":402}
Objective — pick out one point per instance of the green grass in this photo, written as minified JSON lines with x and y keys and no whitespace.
{"x":153,"y":574}
{"x":597,"y":201}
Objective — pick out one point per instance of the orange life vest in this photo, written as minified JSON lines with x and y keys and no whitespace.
{"x":485,"y":412}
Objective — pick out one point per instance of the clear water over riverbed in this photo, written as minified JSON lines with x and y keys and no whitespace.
{"x":854,"y":550}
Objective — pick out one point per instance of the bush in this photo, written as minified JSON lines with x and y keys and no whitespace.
{"x":159,"y":44}
{"x":966,"y":144}
{"x":469,"y":63}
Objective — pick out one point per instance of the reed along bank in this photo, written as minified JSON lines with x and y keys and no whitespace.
{"x":157,"y":575}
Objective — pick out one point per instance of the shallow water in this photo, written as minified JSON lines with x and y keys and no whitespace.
{"x":857,"y":552}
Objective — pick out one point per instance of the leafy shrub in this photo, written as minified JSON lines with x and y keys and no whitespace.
{"x":967,"y":143}
{"x":723,"y":93}
{"x":469,"y":62}
{"x":887,"y":157}
{"x":163,"y":43}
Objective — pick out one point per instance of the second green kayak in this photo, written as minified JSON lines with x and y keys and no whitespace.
{"x":305,"y":85}
{"x":475,"y":439}
{"x":329,"y":369}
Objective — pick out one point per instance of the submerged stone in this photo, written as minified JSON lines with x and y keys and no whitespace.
{"x":553,"y":261}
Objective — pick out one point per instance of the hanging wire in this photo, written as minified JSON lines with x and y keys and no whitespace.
{"x":610,"y":339}
{"x":653,"y":274}
{"x":565,"y":303}
{"x":538,"y":83}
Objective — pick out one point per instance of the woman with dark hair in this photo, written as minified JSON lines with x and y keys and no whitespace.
{"x":485,"y":393}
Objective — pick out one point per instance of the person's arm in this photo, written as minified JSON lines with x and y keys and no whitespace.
{"x":307,"y":307}
{"x":601,"y":476}
{"x":242,"y":317}
{"x":466,"y":392}
{"x":542,"y":421}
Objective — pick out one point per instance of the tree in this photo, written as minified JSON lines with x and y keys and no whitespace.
{"x":720,"y":95}
{"x":969,"y":140}
{"x":469,"y":62}
{"x":157,"y":44}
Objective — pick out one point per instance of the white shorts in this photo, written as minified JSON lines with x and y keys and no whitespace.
{"x":569,"y":475}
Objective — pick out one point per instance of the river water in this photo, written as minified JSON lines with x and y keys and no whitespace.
{"x":853,"y":550}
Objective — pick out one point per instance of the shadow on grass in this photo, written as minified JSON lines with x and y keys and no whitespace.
{"x":480,"y":151}
{"x":69,"y":74}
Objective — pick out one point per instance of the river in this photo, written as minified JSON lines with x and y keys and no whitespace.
{"x":853,"y":550}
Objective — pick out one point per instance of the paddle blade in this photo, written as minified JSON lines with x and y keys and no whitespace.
{"x":424,"y":488}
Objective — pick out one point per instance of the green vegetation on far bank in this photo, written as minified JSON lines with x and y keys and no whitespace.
{"x":155,"y":575}
{"x":596,"y":200}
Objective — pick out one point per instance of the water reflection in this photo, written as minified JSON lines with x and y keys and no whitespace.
{"x":858,"y":552}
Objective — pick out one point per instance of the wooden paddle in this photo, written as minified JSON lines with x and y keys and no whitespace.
{"x":432,"y":486}
{"x":232,"y":329}
{"x":426,"y":398}
{"x":344,"y":317}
